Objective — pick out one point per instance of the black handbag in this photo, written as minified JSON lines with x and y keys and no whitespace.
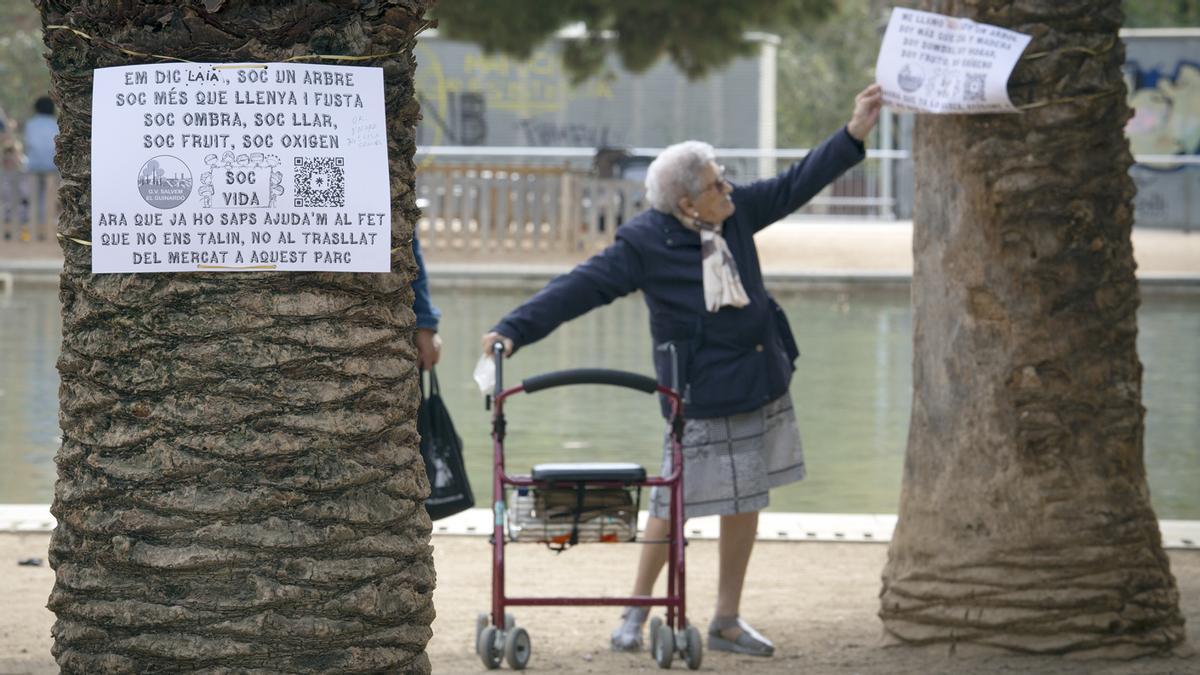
{"x":442,"y":451}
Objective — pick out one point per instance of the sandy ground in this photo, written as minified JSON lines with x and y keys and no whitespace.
{"x":824,"y":246}
{"x":817,"y":601}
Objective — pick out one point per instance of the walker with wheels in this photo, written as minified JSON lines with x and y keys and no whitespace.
{"x":564,"y":504}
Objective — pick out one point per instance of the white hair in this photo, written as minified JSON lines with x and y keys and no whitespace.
{"x":677,"y":173}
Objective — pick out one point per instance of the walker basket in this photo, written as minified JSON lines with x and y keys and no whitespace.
{"x":580,"y":503}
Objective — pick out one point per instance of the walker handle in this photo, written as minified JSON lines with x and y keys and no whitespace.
{"x":617,"y":378}
{"x":498,"y":355}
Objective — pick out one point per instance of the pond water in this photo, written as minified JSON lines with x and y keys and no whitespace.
{"x":852,"y":391}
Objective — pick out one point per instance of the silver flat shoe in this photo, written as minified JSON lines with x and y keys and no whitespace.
{"x":628,"y":636}
{"x":750,"y":641}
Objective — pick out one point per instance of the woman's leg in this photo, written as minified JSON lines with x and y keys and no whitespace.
{"x":728,"y":632}
{"x":628,"y":636}
{"x":654,"y":555}
{"x":735,"y":546}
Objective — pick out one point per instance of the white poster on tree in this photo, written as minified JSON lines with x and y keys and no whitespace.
{"x":942,"y":64}
{"x":239,"y":167}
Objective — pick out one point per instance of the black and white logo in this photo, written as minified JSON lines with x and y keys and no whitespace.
{"x":164,"y":182}
{"x":910,"y":78}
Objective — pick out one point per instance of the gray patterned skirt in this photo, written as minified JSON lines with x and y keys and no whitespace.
{"x":731,"y":463}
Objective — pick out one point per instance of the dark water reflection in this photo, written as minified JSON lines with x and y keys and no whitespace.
{"x":852,"y":392}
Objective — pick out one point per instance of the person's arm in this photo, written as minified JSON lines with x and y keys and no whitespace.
{"x":768,"y":201}
{"x":606,"y":276}
{"x":429,"y":344}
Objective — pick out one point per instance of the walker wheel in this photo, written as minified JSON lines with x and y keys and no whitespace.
{"x":509,"y":621}
{"x":481,"y":622}
{"x":517,"y":649}
{"x":664,"y":646}
{"x":489,"y":652}
{"x":655,"y":622}
{"x":693,"y":649}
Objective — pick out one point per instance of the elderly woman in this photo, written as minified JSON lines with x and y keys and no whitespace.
{"x":720,"y":333}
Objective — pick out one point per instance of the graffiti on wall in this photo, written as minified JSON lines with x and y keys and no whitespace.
{"x":1166,"y":121}
{"x":1166,"y":108}
{"x":460,"y":91}
{"x":543,"y":132}
{"x":461,"y":119}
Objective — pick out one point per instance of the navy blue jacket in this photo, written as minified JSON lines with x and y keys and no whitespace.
{"x":731,"y":361}
{"x":427,"y":314}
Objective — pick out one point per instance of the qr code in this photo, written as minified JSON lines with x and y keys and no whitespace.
{"x":320,"y":181}
{"x":973,"y":87}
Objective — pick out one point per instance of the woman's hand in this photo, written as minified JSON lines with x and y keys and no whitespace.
{"x":866,"y":112}
{"x":492,"y":338}
{"x":429,"y":348}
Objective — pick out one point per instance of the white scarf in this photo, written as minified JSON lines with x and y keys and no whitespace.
{"x":722,"y":285}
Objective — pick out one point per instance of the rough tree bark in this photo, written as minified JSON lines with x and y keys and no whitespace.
{"x":239,"y":485}
{"x":1025,"y":518}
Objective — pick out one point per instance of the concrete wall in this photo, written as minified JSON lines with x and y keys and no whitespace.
{"x":469,"y":98}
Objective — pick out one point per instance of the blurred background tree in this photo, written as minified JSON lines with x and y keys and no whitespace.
{"x":1161,"y":13}
{"x":821,"y":68}
{"x":827,"y":54}
{"x":23,"y":72}
{"x":697,"y":35}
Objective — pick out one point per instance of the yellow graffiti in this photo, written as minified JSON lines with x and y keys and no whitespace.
{"x":431,"y":87}
{"x":526,"y":88}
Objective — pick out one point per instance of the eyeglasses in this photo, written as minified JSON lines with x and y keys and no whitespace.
{"x":719,"y":183}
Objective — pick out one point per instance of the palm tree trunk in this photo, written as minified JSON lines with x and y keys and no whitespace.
{"x":239,"y":484}
{"x":1025,"y":518}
